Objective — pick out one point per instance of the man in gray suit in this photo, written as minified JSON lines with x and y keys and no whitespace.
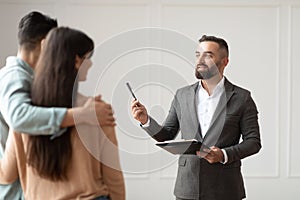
{"x":217,"y":113}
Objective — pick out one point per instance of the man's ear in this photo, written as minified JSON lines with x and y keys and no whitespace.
{"x":225,"y":61}
{"x":78,"y":62}
{"x":42,"y":43}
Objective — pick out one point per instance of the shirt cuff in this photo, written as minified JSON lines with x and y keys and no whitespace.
{"x":56,"y":120}
{"x":58,"y":133}
{"x":147,"y":124}
{"x":225,"y":156}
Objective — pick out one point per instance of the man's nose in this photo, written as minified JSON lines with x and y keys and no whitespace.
{"x":200,"y":59}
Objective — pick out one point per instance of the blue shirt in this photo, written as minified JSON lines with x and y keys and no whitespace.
{"x":17,"y":113}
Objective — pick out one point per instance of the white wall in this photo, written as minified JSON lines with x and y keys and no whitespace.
{"x":263,"y":37}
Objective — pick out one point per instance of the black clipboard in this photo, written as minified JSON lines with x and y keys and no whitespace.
{"x":182,"y":146}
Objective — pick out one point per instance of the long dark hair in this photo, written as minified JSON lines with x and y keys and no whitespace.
{"x":53,"y":86}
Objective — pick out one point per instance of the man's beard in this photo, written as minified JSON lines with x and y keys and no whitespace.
{"x":208,"y":73}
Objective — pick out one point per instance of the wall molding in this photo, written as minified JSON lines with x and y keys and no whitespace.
{"x":290,"y":95}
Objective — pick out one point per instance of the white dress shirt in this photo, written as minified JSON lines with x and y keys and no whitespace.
{"x":207,"y":104}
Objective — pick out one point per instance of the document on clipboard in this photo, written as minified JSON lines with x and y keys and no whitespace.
{"x":182,"y":146}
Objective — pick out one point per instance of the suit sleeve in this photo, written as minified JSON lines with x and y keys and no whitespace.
{"x":8,"y":163}
{"x":170,"y":128}
{"x":249,"y":129}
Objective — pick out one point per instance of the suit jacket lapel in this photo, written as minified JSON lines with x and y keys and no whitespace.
{"x":192,"y":109}
{"x":221,"y":107}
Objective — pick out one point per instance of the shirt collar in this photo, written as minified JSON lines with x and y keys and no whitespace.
{"x":15,"y":61}
{"x":218,"y":89}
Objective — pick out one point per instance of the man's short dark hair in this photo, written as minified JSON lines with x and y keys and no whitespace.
{"x":222,"y":43}
{"x":34,"y":27}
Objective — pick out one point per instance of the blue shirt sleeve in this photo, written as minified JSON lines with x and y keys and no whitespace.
{"x":16,"y":108}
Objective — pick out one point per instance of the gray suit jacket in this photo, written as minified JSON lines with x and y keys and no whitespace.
{"x":235,"y":116}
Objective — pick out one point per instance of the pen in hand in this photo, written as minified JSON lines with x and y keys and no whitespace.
{"x":139,"y":111}
{"x":130,"y":90}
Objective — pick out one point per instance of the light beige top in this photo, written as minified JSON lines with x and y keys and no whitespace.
{"x":88,"y":178}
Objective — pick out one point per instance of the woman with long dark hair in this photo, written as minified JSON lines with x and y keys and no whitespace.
{"x":61,"y":168}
